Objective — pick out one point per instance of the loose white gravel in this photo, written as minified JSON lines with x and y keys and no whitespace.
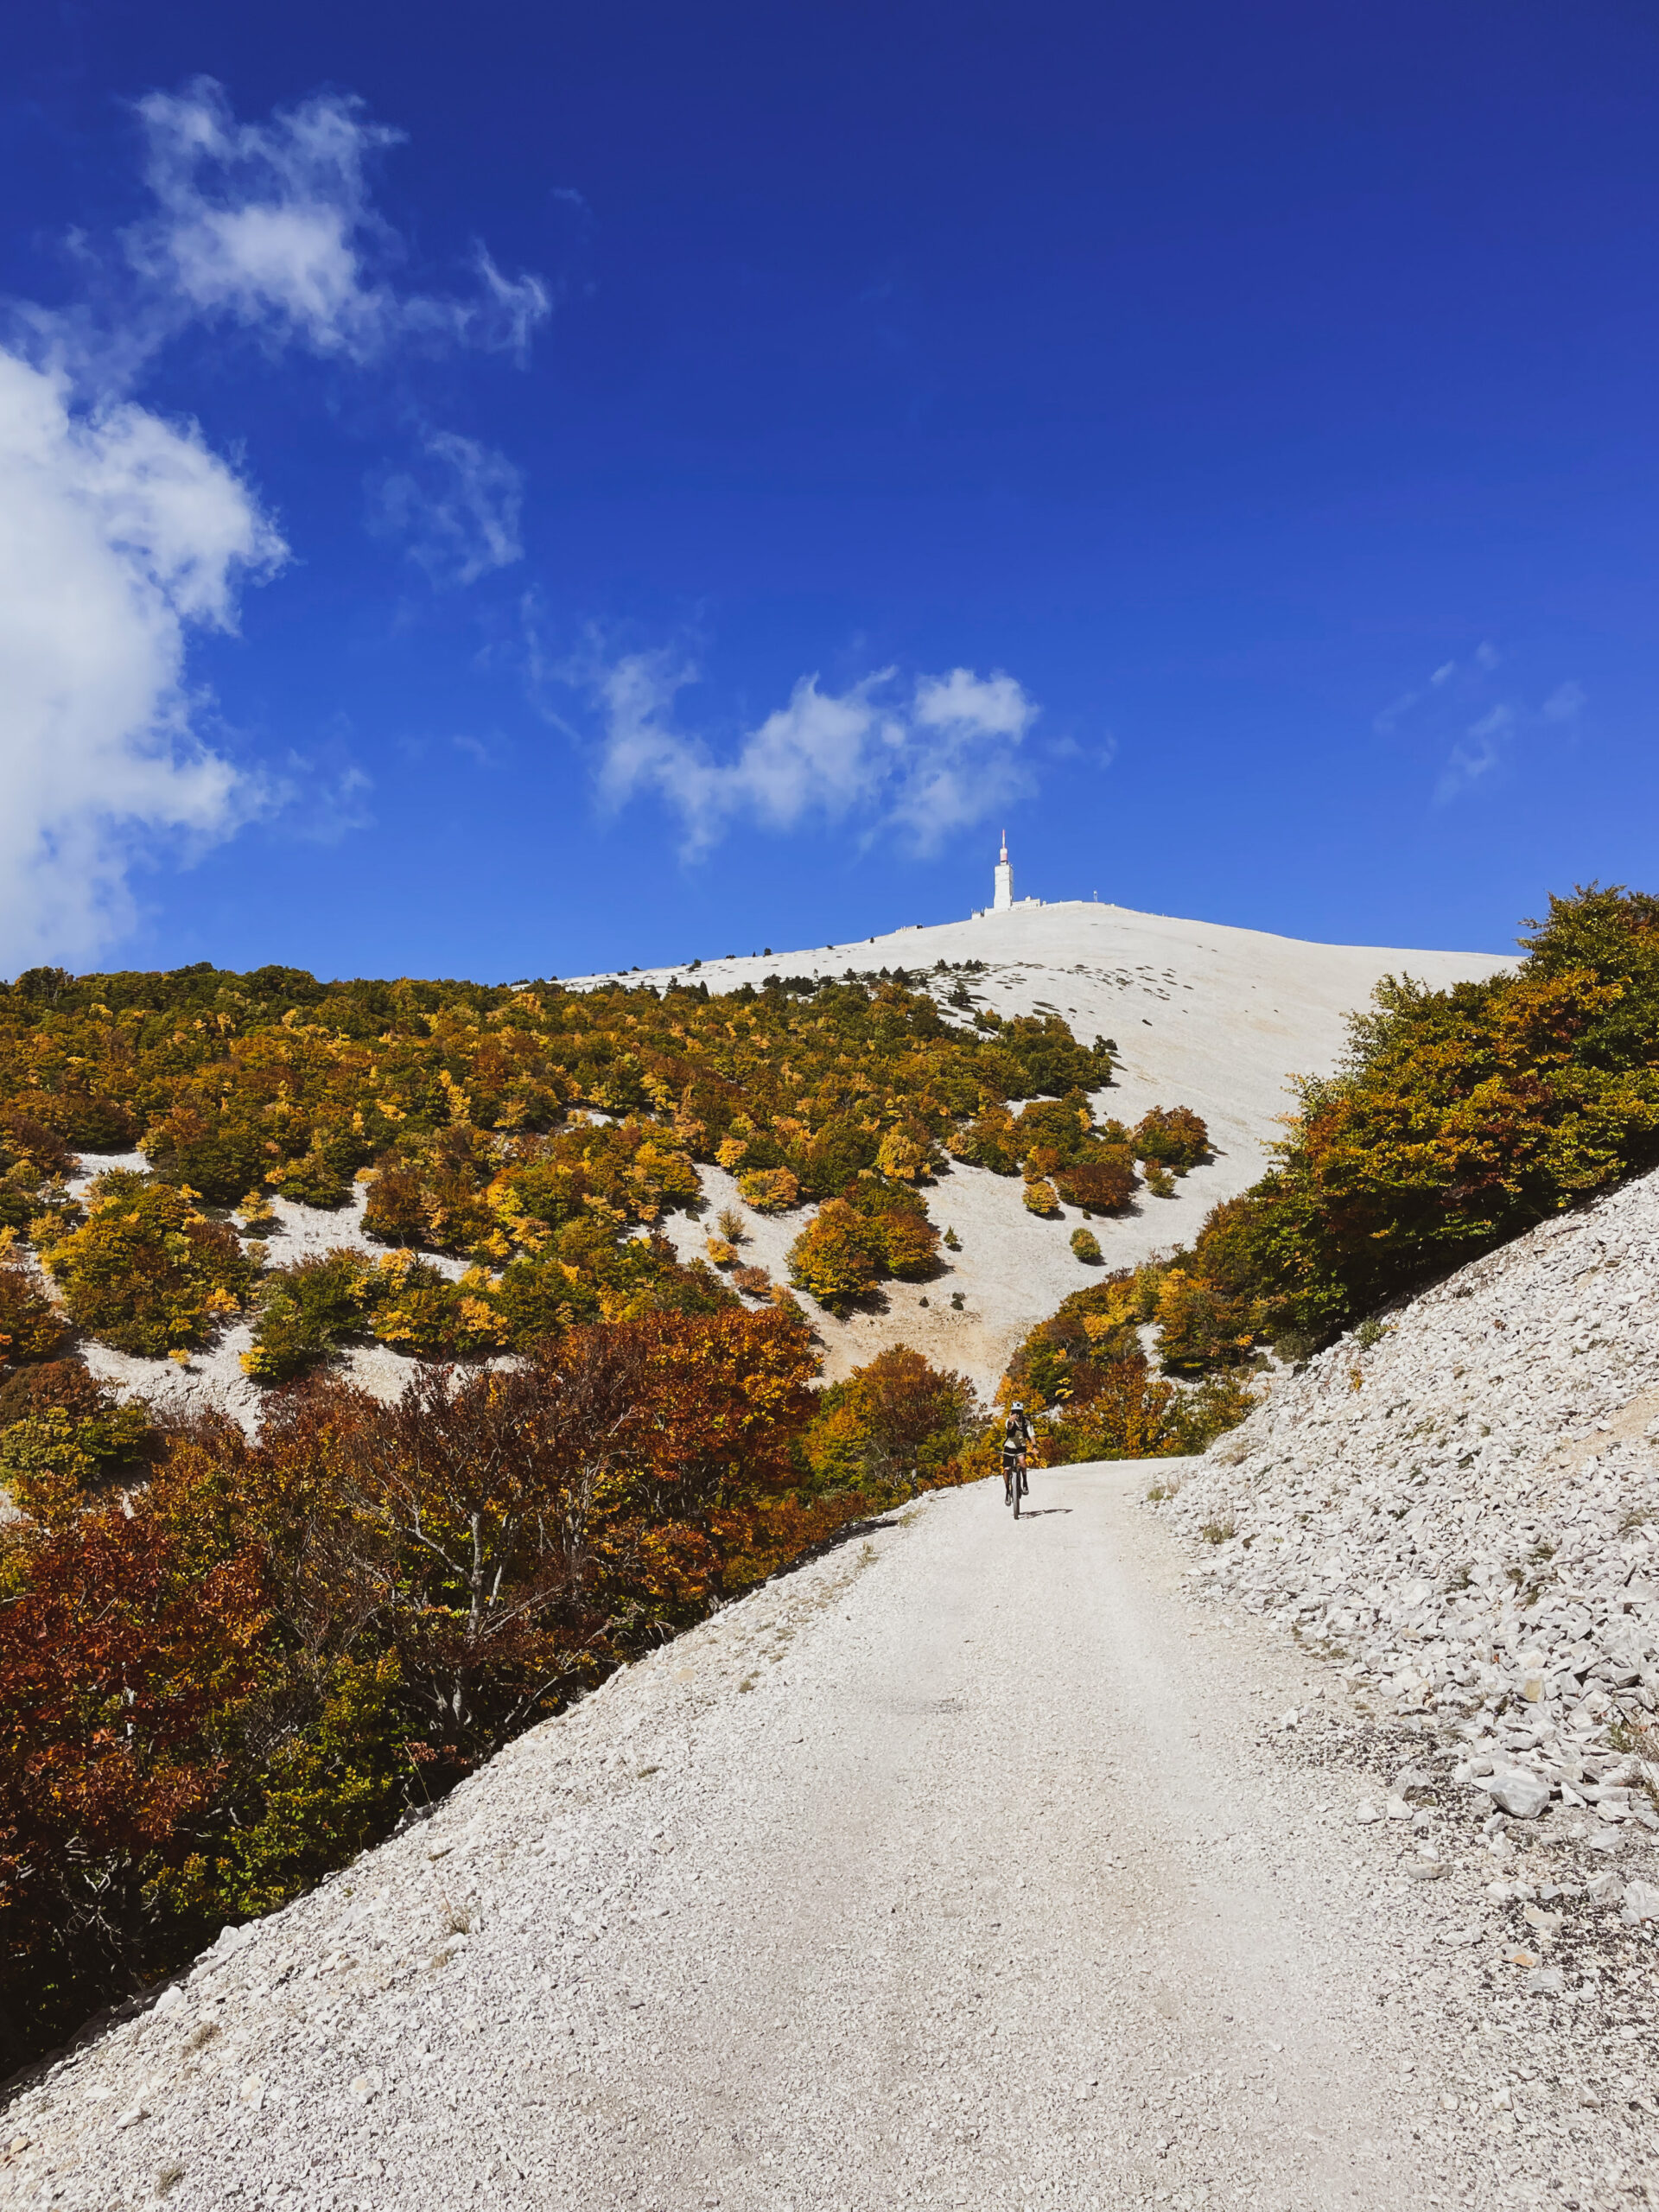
{"x":1466,"y":1511}
{"x":956,"y":1868}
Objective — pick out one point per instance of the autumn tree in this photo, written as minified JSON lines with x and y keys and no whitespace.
{"x":894,"y":1420}
{"x":148,"y":1273}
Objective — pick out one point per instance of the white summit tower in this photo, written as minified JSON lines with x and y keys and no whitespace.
{"x":1004,"y":895}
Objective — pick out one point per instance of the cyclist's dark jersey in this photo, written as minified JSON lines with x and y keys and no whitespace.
{"x":1016,"y":1436}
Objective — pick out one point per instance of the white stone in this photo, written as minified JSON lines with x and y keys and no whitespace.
{"x":1519,"y":1792}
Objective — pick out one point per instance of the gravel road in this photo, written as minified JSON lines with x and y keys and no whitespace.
{"x":953,"y":1869}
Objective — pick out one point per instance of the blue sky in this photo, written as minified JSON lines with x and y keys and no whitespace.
{"x":528,"y":489}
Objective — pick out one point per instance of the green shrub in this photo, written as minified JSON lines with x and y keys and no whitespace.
{"x":218,"y":1155}
{"x":1086,"y":1245}
{"x":1128,"y":1413}
{"x":305,"y":1312}
{"x":892,"y":1426}
{"x":148,"y":1274}
{"x":311,"y":1181}
{"x":30,"y":1327}
{"x":769,"y":1190}
{"x":1175,"y":1138}
{"x":51,"y":1459}
{"x":837,"y":1258}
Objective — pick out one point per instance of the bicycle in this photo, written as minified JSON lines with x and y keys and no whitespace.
{"x":1014,"y":1484}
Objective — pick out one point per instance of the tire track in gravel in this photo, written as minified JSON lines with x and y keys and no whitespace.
{"x":946,"y":1870}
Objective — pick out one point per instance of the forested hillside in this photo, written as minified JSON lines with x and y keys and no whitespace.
{"x":229,"y":1662}
{"x":233,"y":1662}
{"x":1461,"y":1118}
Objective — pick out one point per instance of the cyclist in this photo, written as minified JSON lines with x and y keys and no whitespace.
{"x":1016,"y":1447}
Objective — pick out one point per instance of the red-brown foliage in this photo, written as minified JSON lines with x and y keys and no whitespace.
{"x":116,"y":1660}
{"x":31,"y":1327}
{"x":220,"y":1691}
{"x":1101,"y":1186}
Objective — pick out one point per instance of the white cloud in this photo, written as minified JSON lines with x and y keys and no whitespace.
{"x":118,"y":532}
{"x":925,"y":764}
{"x":458,"y":508}
{"x":271,"y":226}
{"x":1475,"y":754}
{"x":1386,"y":723}
{"x":1565,"y":704}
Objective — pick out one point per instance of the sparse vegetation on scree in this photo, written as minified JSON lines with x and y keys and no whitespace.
{"x":470,"y":1111}
{"x":1459,"y":1119}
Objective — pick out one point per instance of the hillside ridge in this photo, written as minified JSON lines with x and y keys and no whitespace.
{"x":1176,"y":997}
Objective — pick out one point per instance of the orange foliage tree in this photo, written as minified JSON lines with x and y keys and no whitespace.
{"x":233,"y":1681}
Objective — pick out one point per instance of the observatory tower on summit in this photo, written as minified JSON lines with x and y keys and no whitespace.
{"x":1002,"y":899}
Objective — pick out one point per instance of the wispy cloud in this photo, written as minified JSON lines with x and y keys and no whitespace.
{"x":1456,"y":712}
{"x":457,"y":507}
{"x":322,"y":804}
{"x":272,"y":227}
{"x":1394,"y":713}
{"x":921,"y":758}
{"x":1475,"y":754}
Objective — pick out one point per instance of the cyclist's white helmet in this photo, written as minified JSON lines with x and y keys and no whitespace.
{"x":1019,"y":1405}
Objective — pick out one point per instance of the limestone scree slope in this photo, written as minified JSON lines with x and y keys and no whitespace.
{"x":1465,"y":1511}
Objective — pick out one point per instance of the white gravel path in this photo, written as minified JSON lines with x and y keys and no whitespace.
{"x":953,"y":1869}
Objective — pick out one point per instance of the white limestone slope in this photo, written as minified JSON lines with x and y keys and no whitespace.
{"x":1467,"y":1508}
{"x":1205,"y":1016}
